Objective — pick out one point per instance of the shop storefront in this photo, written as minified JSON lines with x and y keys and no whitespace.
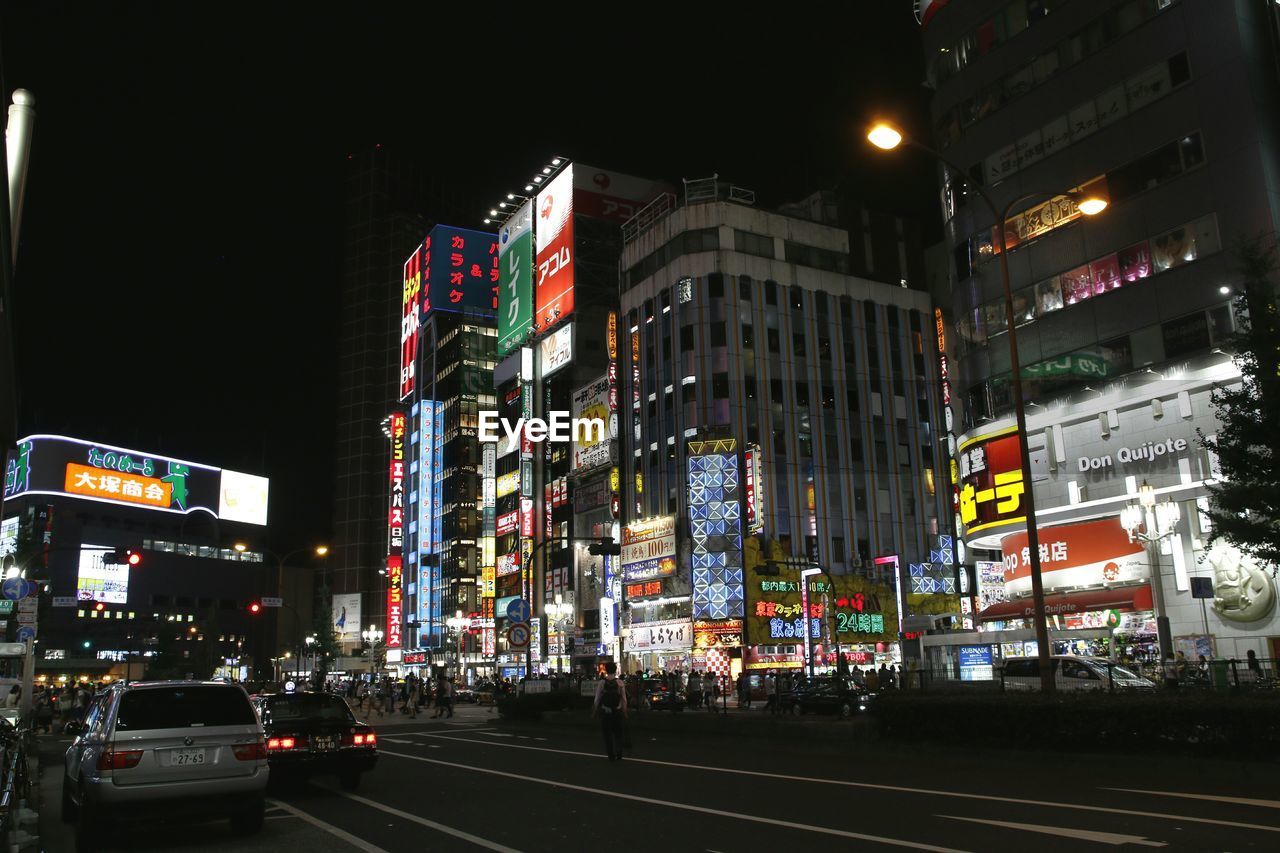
{"x":662,"y":646}
{"x":1090,"y":461}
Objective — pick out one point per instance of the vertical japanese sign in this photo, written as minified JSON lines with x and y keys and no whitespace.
{"x":410,"y":298}
{"x":395,"y":511}
{"x":515,"y":279}
{"x":554,"y":238}
{"x":991,"y":480}
{"x":395,"y":603}
{"x":753,"y":477}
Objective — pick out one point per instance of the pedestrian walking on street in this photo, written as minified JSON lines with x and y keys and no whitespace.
{"x":611,"y":708}
{"x":414,"y":688}
{"x":771,"y":693}
{"x":744,"y":691}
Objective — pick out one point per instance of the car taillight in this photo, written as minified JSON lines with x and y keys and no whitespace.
{"x":255,"y":751}
{"x":361,"y":739}
{"x":119,"y":759}
{"x":285,"y":743}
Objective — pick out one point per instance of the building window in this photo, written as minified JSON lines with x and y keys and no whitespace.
{"x":753,"y":244}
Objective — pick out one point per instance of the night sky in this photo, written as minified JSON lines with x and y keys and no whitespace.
{"x":179,"y":264}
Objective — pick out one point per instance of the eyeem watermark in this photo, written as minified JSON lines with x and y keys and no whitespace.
{"x":559,"y":427}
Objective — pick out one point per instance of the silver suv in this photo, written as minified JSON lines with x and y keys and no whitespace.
{"x":170,"y":747}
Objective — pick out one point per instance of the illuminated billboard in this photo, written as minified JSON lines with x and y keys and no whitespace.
{"x":395,"y":509}
{"x":649,"y":549}
{"x":554,"y":238}
{"x":71,"y":467}
{"x":395,"y":603}
{"x":991,"y":482}
{"x":410,"y":299}
{"x":591,"y":448}
{"x":346,"y":617}
{"x":515,"y":279}
{"x":460,"y":270}
{"x":100,"y":581}
{"x":715,"y":527}
{"x":602,"y":194}
{"x":556,"y":350}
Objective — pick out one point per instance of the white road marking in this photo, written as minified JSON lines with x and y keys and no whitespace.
{"x":280,"y":817}
{"x":896,"y":788}
{"x":1112,"y":838}
{"x":354,"y":840}
{"x":439,"y":827}
{"x":1243,"y":801}
{"x":434,"y":746}
{"x":824,"y":830}
{"x":395,"y":740}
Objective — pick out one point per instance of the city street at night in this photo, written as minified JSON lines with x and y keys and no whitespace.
{"x":437,"y":783}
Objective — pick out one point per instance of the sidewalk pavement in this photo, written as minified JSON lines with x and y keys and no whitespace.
{"x":463,"y":712}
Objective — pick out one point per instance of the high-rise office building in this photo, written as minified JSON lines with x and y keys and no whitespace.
{"x":1167,"y":108}
{"x":383,"y":194}
{"x":757,"y":373}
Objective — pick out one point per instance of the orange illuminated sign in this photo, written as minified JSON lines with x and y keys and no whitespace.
{"x":117,"y":486}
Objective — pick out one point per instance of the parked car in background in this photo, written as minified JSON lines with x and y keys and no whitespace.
{"x":657,"y":696}
{"x":1074,"y":673}
{"x":171,"y":748}
{"x":312,"y":734}
{"x":830,"y":695}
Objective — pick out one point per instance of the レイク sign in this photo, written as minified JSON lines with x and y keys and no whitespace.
{"x":515,"y":279}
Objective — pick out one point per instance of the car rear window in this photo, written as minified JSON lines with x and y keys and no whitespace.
{"x":184,"y":707}
{"x":307,"y":707}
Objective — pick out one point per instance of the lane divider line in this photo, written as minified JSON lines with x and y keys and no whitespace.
{"x":1241,"y":801}
{"x":1113,"y":838}
{"x":431,"y":824}
{"x":824,"y":830}
{"x":897,"y":788}
{"x":337,"y":832}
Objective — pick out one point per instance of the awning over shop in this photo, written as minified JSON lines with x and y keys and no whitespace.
{"x":1124,"y":598}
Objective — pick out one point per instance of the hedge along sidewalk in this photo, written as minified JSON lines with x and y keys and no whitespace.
{"x":1210,"y":725}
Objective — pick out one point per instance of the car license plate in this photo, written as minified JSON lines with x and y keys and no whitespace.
{"x":324,"y":744}
{"x":185,"y":757}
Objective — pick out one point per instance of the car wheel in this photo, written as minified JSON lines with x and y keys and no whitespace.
{"x":68,"y":802}
{"x":349,"y":781}
{"x":90,"y":829}
{"x":249,"y":820}
{"x":846,"y":710}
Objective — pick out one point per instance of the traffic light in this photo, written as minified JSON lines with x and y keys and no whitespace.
{"x":122,"y":557}
{"x":255,"y":607}
{"x":605,"y":547}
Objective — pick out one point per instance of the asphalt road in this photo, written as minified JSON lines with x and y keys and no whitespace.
{"x":473,"y":784}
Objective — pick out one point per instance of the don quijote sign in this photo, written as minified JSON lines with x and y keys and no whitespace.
{"x":1141,"y":454}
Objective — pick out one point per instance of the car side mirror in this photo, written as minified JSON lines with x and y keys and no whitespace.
{"x":74,"y":728}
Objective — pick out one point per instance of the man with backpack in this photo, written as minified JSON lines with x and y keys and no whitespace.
{"x":611,"y":707}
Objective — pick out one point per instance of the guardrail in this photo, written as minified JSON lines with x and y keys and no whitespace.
{"x":1085,"y":674}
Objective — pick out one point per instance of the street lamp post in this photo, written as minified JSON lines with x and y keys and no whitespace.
{"x":372,"y":635}
{"x":456,"y":623}
{"x":887,"y":138}
{"x":1149,"y":522}
{"x":559,"y":611}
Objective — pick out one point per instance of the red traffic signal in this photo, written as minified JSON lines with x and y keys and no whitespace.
{"x":122,"y":557}
{"x":255,"y":607}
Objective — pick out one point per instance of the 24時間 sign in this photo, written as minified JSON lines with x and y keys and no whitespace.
{"x":395,"y":601}
{"x":60,"y":465}
{"x":991,"y":482}
{"x":554,"y":237}
{"x":515,"y":279}
{"x":395,"y":512}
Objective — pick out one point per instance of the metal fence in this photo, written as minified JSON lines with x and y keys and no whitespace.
{"x":1090,"y":674}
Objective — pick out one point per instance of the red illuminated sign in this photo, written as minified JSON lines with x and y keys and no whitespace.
{"x":554,"y":235}
{"x":991,"y":481}
{"x":395,"y":513}
{"x":640,"y":590}
{"x":410,"y":298}
{"x":395,"y":602}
